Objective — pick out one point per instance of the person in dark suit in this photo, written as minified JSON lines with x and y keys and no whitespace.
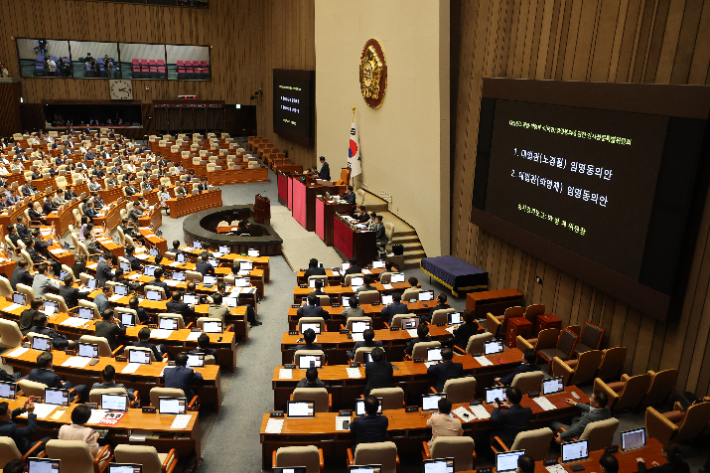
{"x":349,"y":196}
{"x":440,"y":304}
{"x":312,"y":309}
{"x":368,"y":337}
{"x":378,"y":373}
{"x":608,"y":464}
{"x":44,"y":374}
{"x":324,"y":173}
{"x":311,"y":380}
{"x":204,"y":265}
{"x":176,"y":306}
{"x":60,"y":342}
{"x":203,"y":342}
{"x":140,"y":311}
{"x":202,"y":186}
{"x":22,"y":229}
{"x":103,"y":269}
{"x":110,"y":328}
{"x":28,"y":316}
{"x":48,"y":207}
{"x":528,"y":365}
{"x":423,"y":336}
{"x":674,"y":461}
{"x":90,"y":211}
{"x":21,"y":275}
{"x":395,"y":308}
{"x":21,"y":435}
{"x":467,"y":329}
{"x":181,"y":377}
{"x":380,"y":235}
{"x":318,"y":288}
{"x":143,"y":337}
{"x":309,"y":336}
{"x":354,"y":268}
{"x":107,"y":382}
{"x":313,"y":269}
{"x":158,"y":274}
{"x":446,"y":369}
{"x":371,"y":427}
{"x":526,"y":464}
{"x":594,"y":411}
{"x":130,"y":256}
{"x":509,"y":418}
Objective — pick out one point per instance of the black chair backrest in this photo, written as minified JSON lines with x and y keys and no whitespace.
{"x":568,"y":339}
{"x":591,"y":335}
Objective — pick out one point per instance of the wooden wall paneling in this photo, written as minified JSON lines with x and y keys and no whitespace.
{"x":701,"y":51}
{"x":629,"y":338}
{"x":546,"y":45}
{"x":669,"y":42}
{"x":687,"y":36}
{"x":605,"y":37}
{"x":642,"y":355}
{"x":565,"y":297}
{"x":621,"y":22}
{"x":698,"y":378}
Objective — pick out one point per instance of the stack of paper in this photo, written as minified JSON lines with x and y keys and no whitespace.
{"x":285,"y":373}
{"x":74,"y":322}
{"x":181,"y":421}
{"x":274,"y":426}
{"x":160,"y":333}
{"x":544,"y":403}
{"x":353,"y":372}
{"x":480,"y":412}
{"x":483,"y":360}
{"x":412,"y":332}
{"x":17,"y":352}
{"x":133,"y":276}
{"x":336,"y":273}
{"x":77,"y":362}
{"x":429,"y":363}
{"x":130,"y":368}
{"x":57,"y":251}
{"x":464,"y":414}
{"x":171,"y":282}
{"x":557,"y":468}
{"x":366,"y":271}
{"x":41,"y":410}
{"x":194,"y":335}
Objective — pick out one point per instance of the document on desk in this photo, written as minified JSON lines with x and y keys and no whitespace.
{"x":171,"y":282}
{"x":160,"y":333}
{"x":194,"y":335}
{"x":544,"y":403}
{"x":17,"y":352}
{"x":274,"y":426}
{"x":74,"y":322}
{"x":357,"y":337}
{"x":96,"y":416}
{"x":483,"y":360}
{"x":134,"y":276}
{"x":388,"y":287}
{"x":130,"y":368}
{"x":181,"y":421}
{"x":92,"y":266}
{"x":480,"y":412}
{"x":77,"y":361}
{"x":464,"y":414}
{"x":336,"y":273}
{"x":556,"y":468}
{"x":115,"y":297}
{"x":41,"y":410}
{"x":342,"y":423}
{"x":353,"y":372}
{"x":57,"y":251}
{"x":451,"y":329}
{"x":412,"y":332}
{"x":366,"y":271}
{"x":285,"y":373}
{"x":429,"y":364}
{"x":12,"y":307}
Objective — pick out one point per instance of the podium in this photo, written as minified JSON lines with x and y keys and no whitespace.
{"x":262,"y":209}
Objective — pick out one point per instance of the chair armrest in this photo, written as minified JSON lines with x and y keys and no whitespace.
{"x":97,"y":460}
{"x":165,"y":356}
{"x":230,"y":328}
{"x":458,"y":349}
{"x":350,"y":459}
{"x":290,"y":397}
{"x":194,"y":404}
{"x":659,"y":426}
{"x":502,"y":447}
{"x":117,"y":351}
{"x":396,"y":459}
{"x":76,"y":397}
{"x":170,"y":461}
{"x":475,"y":458}
{"x":136,"y":399}
{"x":320,"y":460}
{"x":522,"y":344}
{"x":492,"y":324}
{"x":31,"y":451}
{"x":600,"y":385}
{"x":330,"y":402}
{"x":426,"y":454}
{"x":342,"y":327}
{"x":387,"y":326}
{"x":625,"y":377}
{"x":433,"y":390}
{"x":407,"y":357}
{"x":560,"y":368}
{"x":273,"y":458}
{"x":189,"y":325}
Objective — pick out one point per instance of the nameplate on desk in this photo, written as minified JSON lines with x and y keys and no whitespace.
{"x":295,"y":306}
{"x":149,"y":410}
{"x":612,"y":449}
{"x":394,"y":329}
{"x":121,"y":359}
{"x":335,"y":305}
{"x":485,"y":470}
{"x":375,"y":303}
{"x":441,"y":324}
{"x":549,"y":462}
{"x":290,"y":367}
{"x":347,"y":413}
{"x":476,"y":403}
{"x":195,"y":330}
{"x":303,"y":286}
{"x":293,"y":332}
{"x":477,"y":354}
{"x":152,"y":326}
{"x":276,"y":414}
{"x":345,"y":331}
{"x":419,"y":360}
{"x":70,"y":352}
{"x":354,"y":365}
{"x":411,"y":409}
{"x":532,"y":394}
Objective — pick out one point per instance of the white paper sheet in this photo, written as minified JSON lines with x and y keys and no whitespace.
{"x":483,"y":360}
{"x":181,"y":421}
{"x":412,"y":332}
{"x":451,"y":329}
{"x":366,"y":271}
{"x":353,"y":372}
{"x":131,"y":368}
{"x":194,"y":335}
{"x":274,"y":426}
{"x":12,"y":307}
{"x":429,"y":363}
{"x":115,"y":297}
{"x":96,"y":416}
{"x":138,"y":436}
{"x":557,"y":468}
{"x":339,"y":423}
{"x":480,"y":412}
{"x":285,"y":373}
{"x":17,"y":352}
{"x":464,"y":414}
{"x":544,"y":403}
{"x":160,"y":333}
{"x":77,"y":361}
{"x":388,"y":287}
{"x":74,"y":322}
{"x":41,"y":410}
{"x":357,"y":337}
{"x":171,"y":282}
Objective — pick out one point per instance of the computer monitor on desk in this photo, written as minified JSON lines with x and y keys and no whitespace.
{"x":360,"y":326}
{"x":315,"y":326}
{"x":387,"y":299}
{"x":426,"y":296}
{"x":508,"y":461}
{"x":439,"y":465}
{"x":288,"y":469}
{"x":41,"y":343}
{"x":167,"y":323}
{"x":365,"y":469}
{"x":301,"y":408}
{"x":125,"y":468}
{"x":172,"y":405}
{"x":633,"y":439}
{"x":396,"y":277}
{"x":7,"y":390}
{"x":357,"y":281}
{"x":360,"y":406}
{"x":553,"y":386}
{"x":496,"y":392}
{"x":575,"y":451}
{"x":310,"y":361}
{"x":491,"y":348}
{"x":88,"y":350}
{"x":430,"y":402}
{"x":43,"y":465}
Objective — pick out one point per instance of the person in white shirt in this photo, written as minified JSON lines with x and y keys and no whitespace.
{"x":51,"y":66}
{"x":4,"y":171}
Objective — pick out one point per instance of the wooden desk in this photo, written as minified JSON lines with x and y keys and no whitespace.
{"x":410,"y":376}
{"x":62,"y":219}
{"x":339,"y":291}
{"x":325,"y":211}
{"x":163,"y":438}
{"x":144,"y":379}
{"x":406,"y":429}
{"x":110,"y":217}
{"x":161,"y":244}
{"x":152,"y":217}
{"x":194,"y":203}
{"x":354,"y":244}
{"x":493,"y":301}
{"x":225,"y":177}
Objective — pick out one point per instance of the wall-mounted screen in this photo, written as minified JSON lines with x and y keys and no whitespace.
{"x":188,"y":62}
{"x":42,"y":57}
{"x":294,"y":93}
{"x":143,"y":61}
{"x":95,"y":60}
{"x":582,"y":176}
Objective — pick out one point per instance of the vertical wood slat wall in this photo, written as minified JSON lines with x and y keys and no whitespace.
{"x":646,"y":41}
{"x":248,"y":38}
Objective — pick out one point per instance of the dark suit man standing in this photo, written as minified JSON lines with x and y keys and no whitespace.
{"x":379,"y":372}
{"x":324,"y":173}
{"x":445,"y":370}
{"x":21,"y":275}
{"x":110,"y":328}
{"x":312,"y":309}
{"x":594,"y":411}
{"x":103,"y":269}
{"x":21,"y":435}
{"x":371,"y":427}
{"x":512,"y":419}
{"x":176,"y":306}
{"x":181,"y":377}
{"x":204,"y":266}
{"x":71,"y":294}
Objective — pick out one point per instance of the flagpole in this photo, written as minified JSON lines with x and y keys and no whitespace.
{"x":353,"y":114}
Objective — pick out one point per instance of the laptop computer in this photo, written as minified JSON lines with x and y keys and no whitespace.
{"x":195,"y":361}
{"x":360,"y":326}
{"x":50,"y":308}
{"x":633,"y":439}
{"x":387,"y":299}
{"x":360,"y":406}
{"x":7,"y":390}
{"x":496,"y":392}
{"x":346,"y":301}
{"x":430,"y":402}
{"x":114,"y":402}
{"x":455,"y":318}
{"x":396,"y":277}
{"x":433,"y":354}
{"x":125,"y":468}
{"x":168,"y":324}
{"x":231,"y":301}
{"x":439,"y":465}
{"x":139,"y":356}
{"x":57,"y":397}
{"x":365,"y":469}
{"x":127,"y":319}
{"x":575,"y":451}
{"x":88,"y":350}
{"x":410,"y":323}
{"x":153,"y":295}
{"x":310,"y":361}
{"x":43,"y":465}
{"x":171,"y":405}
{"x":493,"y":347}
{"x":301,"y":409}
{"x":41,"y":343}
{"x":508,"y":461}
{"x":553,"y":386}
{"x":212,"y":327}
{"x":19,"y":298}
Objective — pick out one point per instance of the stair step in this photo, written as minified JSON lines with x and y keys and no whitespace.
{"x":406,"y":239}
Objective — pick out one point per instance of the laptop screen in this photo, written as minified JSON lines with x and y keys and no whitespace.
{"x":359,"y":327}
{"x":7,"y":390}
{"x":378,"y":264}
{"x":212,"y":327}
{"x":387,"y":299}
{"x":153,"y":295}
{"x":126,"y":267}
{"x":195,"y":361}
{"x":91,"y":282}
{"x":86,"y":313}
{"x":315,"y":326}
{"x":231,"y":301}
{"x":178,"y":276}
{"x":508,"y":461}
{"x":127,"y":319}
{"x":575,"y":451}
{"x":455,"y":318}
{"x":19,"y":298}
{"x":209,"y":279}
{"x":439,"y":465}
{"x":246,"y":266}
{"x":125,"y":468}
{"x":42,"y":465}
{"x":301,"y":409}
{"x":191,"y":299}
{"x":180,"y":258}
{"x":252,"y":253}
{"x":410,"y":323}
{"x":426,"y":296}
{"x":346,"y":301}
{"x":120,"y":289}
{"x":224,"y":250}
{"x":632,"y":439}
{"x":397,"y":277}
{"x":139,"y":356}
{"x":309,"y":361}
{"x":41,"y":343}
{"x":169,"y":405}
{"x":491,"y":348}
{"x":58,"y":397}
{"x":433,"y":354}
{"x":167,"y":323}
{"x":365,"y":469}
{"x":430,"y":402}
{"x":360,"y":407}
{"x":552,"y":386}
{"x":312,"y":282}
{"x":495,"y":393}
{"x":289,"y":469}
{"x":50,"y":308}
{"x":62,"y":274}
{"x":149,"y":271}
{"x":358,"y":281}
{"x":114,"y":402}
{"x":153,"y":252}
{"x":345,"y":266}
{"x":241,"y":282}
{"x":88,"y":350}
{"x":197,"y":245}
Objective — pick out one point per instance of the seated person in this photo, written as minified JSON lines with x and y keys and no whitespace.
{"x":366,"y":284}
{"x":314,"y":269}
{"x":311,"y":380}
{"x":446,"y":369}
{"x":28,"y":316}
{"x":216,"y":309}
{"x":674,"y":461}
{"x":140,"y":312}
{"x":467,"y":329}
{"x":143,"y":337}
{"x":71,"y":294}
{"x":354,"y":268}
{"x":204,"y":265}
{"x":443,"y":423}
{"x":309,"y":336}
{"x":21,"y":435}
{"x":203,"y":343}
{"x":422,"y":336}
{"x":594,"y":411}
{"x":318,"y":289}
{"x":368,"y":341}
{"x":182,"y":377}
{"x":101,"y":299}
{"x":354,"y":310}
{"x":371,"y":427}
{"x":107,"y":382}
{"x":312,"y":309}
{"x":414,"y":282}
{"x":349,"y":196}
{"x":60,"y":342}
{"x":395,"y":308}
{"x":158,"y":281}
{"x":130,"y":256}
{"x":528,"y":365}
{"x":609,"y":464}
{"x":440,"y":304}
{"x":509,"y":418}
{"x":526,"y":464}
{"x":176,"y":306}
{"x":110,"y":328}
{"x":14,"y":466}
{"x":44,"y":374}
{"x":378,"y":373}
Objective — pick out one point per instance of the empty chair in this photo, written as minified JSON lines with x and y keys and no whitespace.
{"x":368,"y":297}
{"x":563,"y":350}
{"x":627,"y":393}
{"x":9,"y":451}
{"x":461,"y":449}
{"x":612,"y":363}
{"x":460,"y":389}
{"x":158,"y":392}
{"x":10,"y":335}
{"x":27,"y":290}
{"x":441,"y":316}
{"x":309,"y":456}
{"x":528,"y":382}
{"x":475,"y":343}
{"x":536,"y":443}
{"x":75,"y":456}
{"x":193,"y":276}
{"x":397,"y":319}
{"x":678,"y":425}
{"x":377,"y":453}
{"x":104,"y":348}
{"x":547,"y":338}
{"x":579,"y":371}
{"x":32,"y":388}
{"x":152,"y":461}
{"x":496,"y":323}
{"x":662,"y":385}
{"x":392,"y":398}
{"x":533,"y":310}
{"x":410,"y":293}
{"x":323,"y":400}
{"x":591,"y":338}
{"x":359,"y":355}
